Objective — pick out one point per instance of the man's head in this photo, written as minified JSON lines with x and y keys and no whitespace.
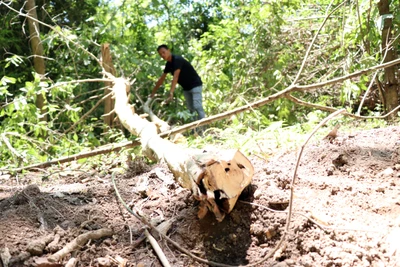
{"x":164,"y":52}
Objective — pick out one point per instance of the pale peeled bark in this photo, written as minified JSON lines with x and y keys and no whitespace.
{"x":215,"y":179}
{"x":162,"y":125}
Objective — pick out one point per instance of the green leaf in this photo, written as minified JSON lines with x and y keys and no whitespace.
{"x":5,"y":80}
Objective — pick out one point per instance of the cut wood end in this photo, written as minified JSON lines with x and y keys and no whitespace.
{"x":221,"y":180}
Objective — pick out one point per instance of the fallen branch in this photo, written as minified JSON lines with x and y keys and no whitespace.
{"x":72,"y":262}
{"x":77,"y":81}
{"x":95,"y":152}
{"x":157,"y":249}
{"x":330,"y":109}
{"x":281,"y":94}
{"x":116,"y":147}
{"x":78,"y":242}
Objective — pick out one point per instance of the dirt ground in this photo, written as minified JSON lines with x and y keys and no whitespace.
{"x":346,"y":212}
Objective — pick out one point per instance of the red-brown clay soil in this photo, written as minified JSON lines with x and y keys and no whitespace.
{"x":348,"y":186}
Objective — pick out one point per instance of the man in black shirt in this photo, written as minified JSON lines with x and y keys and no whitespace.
{"x":185,"y":75}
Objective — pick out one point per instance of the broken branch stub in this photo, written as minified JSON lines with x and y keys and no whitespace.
{"x":216,"y":179}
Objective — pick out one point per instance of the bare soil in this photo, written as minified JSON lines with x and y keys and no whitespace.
{"x":346,"y":211}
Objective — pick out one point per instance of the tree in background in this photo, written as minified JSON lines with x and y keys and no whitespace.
{"x":37,"y":51}
{"x":391,"y":79}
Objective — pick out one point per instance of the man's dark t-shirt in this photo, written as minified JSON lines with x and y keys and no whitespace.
{"x":188,"y":77}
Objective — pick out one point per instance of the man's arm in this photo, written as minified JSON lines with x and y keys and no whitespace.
{"x":173,"y":84}
{"x":158,"y":84}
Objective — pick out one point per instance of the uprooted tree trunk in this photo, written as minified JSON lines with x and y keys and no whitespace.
{"x":216,"y":179}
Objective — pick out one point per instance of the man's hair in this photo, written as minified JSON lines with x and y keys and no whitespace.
{"x":162,"y":46}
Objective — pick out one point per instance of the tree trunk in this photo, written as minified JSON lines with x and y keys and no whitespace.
{"x":108,"y":66}
{"x":37,"y":51}
{"x":216,"y":179}
{"x":391,"y":82}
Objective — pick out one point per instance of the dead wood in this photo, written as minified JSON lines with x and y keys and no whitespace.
{"x":5,"y":257}
{"x":157,"y":249}
{"x":101,"y":150}
{"x":215,"y":179}
{"x":161,"y":125}
{"x":283,"y":94}
{"x":36,"y":247}
{"x":78,"y":242}
{"x":72,"y":262}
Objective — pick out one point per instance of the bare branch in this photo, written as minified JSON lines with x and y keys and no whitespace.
{"x":323,"y":122}
{"x":157,"y":249}
{"x":330,"y":109}
{"x":101,"y":150}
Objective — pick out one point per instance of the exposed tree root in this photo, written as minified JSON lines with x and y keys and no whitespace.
{"x":157,"y":249}
{"x":78,"y":242}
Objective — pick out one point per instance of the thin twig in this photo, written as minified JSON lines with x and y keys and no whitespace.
{"x":323,"y":122}
{"x":157,"y":249}
{"x":10,"y":147}
{"x":95,"y":152}
{"x":58,"y":84}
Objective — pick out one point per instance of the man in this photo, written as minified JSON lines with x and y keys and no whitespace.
{"x":185,"y":75}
